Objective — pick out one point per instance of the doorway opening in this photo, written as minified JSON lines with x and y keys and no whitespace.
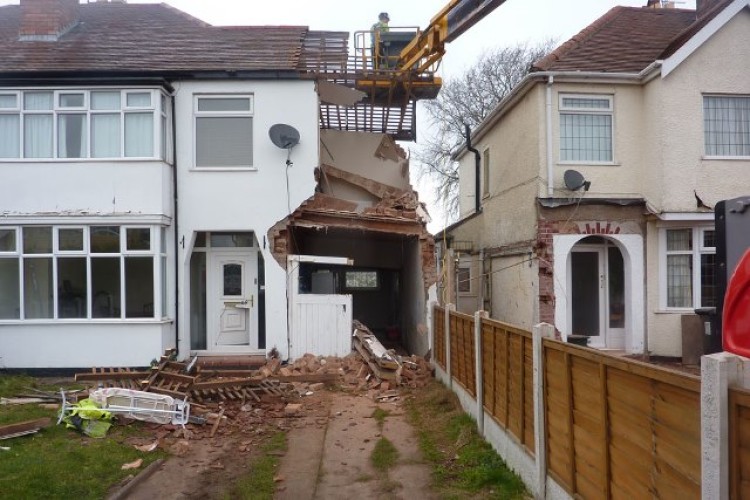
{"x":597,"y":292}
{"x":227,"y":306}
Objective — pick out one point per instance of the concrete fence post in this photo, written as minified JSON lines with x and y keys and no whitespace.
{"x":478,"y":316}
{"x":448,"y":309}
{"x":718,"y":372}
{"x":539,"y":332}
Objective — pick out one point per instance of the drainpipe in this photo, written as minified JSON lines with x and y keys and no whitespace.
{"x":176,"y":233}
{"x":477,"y":180}
{"x":550,"y":170}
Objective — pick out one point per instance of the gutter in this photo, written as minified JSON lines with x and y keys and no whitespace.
{"x":477,"y":168}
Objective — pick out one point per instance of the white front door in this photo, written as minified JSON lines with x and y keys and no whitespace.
{"x":233,"y":302}
{"x":598,"y":295}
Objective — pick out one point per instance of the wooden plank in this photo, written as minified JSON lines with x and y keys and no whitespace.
{"x":604,"y":408}
{"x":95,"y":376}
{"x":569,"y":421}
{"x":20,"y":428}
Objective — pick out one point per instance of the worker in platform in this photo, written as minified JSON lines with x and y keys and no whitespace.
{"x":378,"y":29}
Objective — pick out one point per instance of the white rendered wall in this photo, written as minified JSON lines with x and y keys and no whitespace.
{"x":78,"y":344}
{"x":85,"y":188}
{"x":247,"y":200}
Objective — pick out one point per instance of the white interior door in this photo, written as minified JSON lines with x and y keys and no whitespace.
{"x":234,"y":301}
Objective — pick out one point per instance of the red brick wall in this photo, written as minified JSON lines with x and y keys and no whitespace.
{"x":545,"y":254}
{"x":47,"y":17}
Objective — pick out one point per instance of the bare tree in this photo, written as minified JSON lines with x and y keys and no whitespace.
{"x":468,"y":99}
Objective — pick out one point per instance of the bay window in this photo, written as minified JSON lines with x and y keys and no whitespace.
{"x":87,"y":272}
{"x":76,"y":124}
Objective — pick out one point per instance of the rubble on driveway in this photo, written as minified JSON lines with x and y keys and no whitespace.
{"x":221,"y":399}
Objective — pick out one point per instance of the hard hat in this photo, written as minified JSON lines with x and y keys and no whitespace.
{"x":384,"y":16}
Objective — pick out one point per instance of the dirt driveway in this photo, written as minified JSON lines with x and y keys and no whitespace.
{"x":330,"y":442}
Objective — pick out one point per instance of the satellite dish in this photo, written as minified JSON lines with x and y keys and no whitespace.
{"x":574,"y":180}
{"x":284,"y":136}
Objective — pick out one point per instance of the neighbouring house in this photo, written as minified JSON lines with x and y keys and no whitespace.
{"x":598,"y":176}
{"x":144,"y":204}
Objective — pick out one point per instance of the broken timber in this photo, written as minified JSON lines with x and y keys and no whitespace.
{"x":23,"y":428}
{"x":383,"y":364}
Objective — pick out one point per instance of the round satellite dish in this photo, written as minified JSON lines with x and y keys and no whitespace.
{"x":574,"y":180}
{"x":284,"y":136}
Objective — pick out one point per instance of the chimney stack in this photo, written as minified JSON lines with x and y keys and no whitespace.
{"x":47,"y":20}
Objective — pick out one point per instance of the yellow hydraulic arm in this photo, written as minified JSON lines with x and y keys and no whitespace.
{"x":428,"y":47}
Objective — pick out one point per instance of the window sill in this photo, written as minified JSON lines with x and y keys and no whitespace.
{"x":725,"y":158}
{"x":224,"y":169}
{"x":589,"y":164}
{"x":682,"y":310}
{"x":83,"y":160}
{"x":82,"y":321}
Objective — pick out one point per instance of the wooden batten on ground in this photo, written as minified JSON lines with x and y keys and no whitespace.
{"x":23,"y":428}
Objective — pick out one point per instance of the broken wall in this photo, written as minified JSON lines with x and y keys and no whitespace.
{"x":374,"y":157}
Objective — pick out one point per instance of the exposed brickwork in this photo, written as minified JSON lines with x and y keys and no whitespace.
{"x":545,"y":254}
{"x":47,"y":17}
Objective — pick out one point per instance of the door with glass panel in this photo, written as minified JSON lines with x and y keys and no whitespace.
{"x":597,"y":285}
{"x":234,"y":312}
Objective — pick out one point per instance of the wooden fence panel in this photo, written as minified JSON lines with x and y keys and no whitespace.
{"x":627,"y":429}
{"x":488,"y":364}
{"x":500,"y":369}
{"x":739,"y":443}
{"x":528,"y":395}
{"x":588,"y":428}
{"x":558,"y":417}
{"x":438,"y":318}
{"x":463,"y":365}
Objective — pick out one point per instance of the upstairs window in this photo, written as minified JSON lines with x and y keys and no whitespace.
{"x":76,"y":124}
{"x":224,"y":131}
{"x":726,"y":125}
{"x":586,"y":129}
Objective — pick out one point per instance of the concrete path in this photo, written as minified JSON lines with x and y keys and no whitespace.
{"x":331,"y":459}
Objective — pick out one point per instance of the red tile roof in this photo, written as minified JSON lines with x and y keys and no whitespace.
{"x":627,"y":40}
{"x":149,"y":38}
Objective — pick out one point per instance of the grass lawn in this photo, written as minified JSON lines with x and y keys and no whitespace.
{"x":58,"y":462}
{"x":464,"y":465}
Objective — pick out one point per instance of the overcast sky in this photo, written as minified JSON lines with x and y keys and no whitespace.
{"x":514,"y":21}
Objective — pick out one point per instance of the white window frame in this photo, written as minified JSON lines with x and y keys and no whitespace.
{"x":155,"y":253}
{"x":58,"y":110}
{"x":705,"y":131}
{"x":573,"y":110}
{"x":696,"y":252}
{"x":221,"y":114}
